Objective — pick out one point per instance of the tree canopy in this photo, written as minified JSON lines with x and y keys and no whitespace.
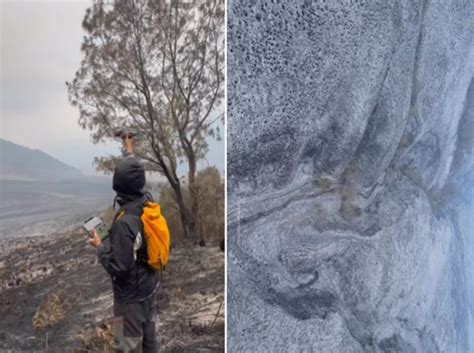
{"x":156,"y":67}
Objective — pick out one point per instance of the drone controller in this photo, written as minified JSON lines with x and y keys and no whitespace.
{"x":98,"y":224}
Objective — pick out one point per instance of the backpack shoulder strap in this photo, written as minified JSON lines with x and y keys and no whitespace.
{"x":130,"y":218}
{"x":126,"y":209}
{"x":148,"y":196}
{"x":119,"y":215}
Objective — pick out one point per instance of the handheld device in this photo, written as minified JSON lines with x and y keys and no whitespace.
{"x":98,"y":224}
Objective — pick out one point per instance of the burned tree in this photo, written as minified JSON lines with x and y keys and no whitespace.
{"x":157,"y":67}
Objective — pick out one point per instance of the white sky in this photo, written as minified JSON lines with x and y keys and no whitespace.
{"x":40,"y":51}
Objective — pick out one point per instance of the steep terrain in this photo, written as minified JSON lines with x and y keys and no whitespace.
{"x":350,"y":140}
{"x":54,"y":296}
{"x":18,"y":162}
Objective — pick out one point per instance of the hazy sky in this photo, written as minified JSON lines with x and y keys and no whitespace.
{"x":40,"y":50}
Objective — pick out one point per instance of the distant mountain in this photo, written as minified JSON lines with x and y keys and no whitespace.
{"x":18,"y":162}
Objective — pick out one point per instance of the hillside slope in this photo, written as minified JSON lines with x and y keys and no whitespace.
{"x":18,"y":162}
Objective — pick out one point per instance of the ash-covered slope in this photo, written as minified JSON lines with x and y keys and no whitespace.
{"x":350,"y":137}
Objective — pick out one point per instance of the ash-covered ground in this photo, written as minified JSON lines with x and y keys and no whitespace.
{"x":55,"y":297}
{"x":350,"y":176}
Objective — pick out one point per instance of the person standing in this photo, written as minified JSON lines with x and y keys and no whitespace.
{"x":134,"y":282}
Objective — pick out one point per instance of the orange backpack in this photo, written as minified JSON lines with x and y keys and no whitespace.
{"x":157,"y":236}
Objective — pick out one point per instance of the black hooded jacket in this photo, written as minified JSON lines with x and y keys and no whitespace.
{"x":132,"y":279}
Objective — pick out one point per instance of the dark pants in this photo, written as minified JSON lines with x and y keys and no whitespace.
{"x":134,"y":327}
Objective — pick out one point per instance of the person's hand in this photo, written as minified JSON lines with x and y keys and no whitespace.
{"x":95,"y":240}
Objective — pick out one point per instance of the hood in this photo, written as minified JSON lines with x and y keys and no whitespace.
{"x":129,"y":178}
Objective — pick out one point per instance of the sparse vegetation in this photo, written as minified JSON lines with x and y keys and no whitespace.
{"x":349,"y":172}
{"x":323,"y":183}
{"x":50,"y":312}
{"x":70,"y":307}
{"x":347,"y":195}
{"x":99,"y":339}
{"x":211,"y":207}
{"x":349,"y":211}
